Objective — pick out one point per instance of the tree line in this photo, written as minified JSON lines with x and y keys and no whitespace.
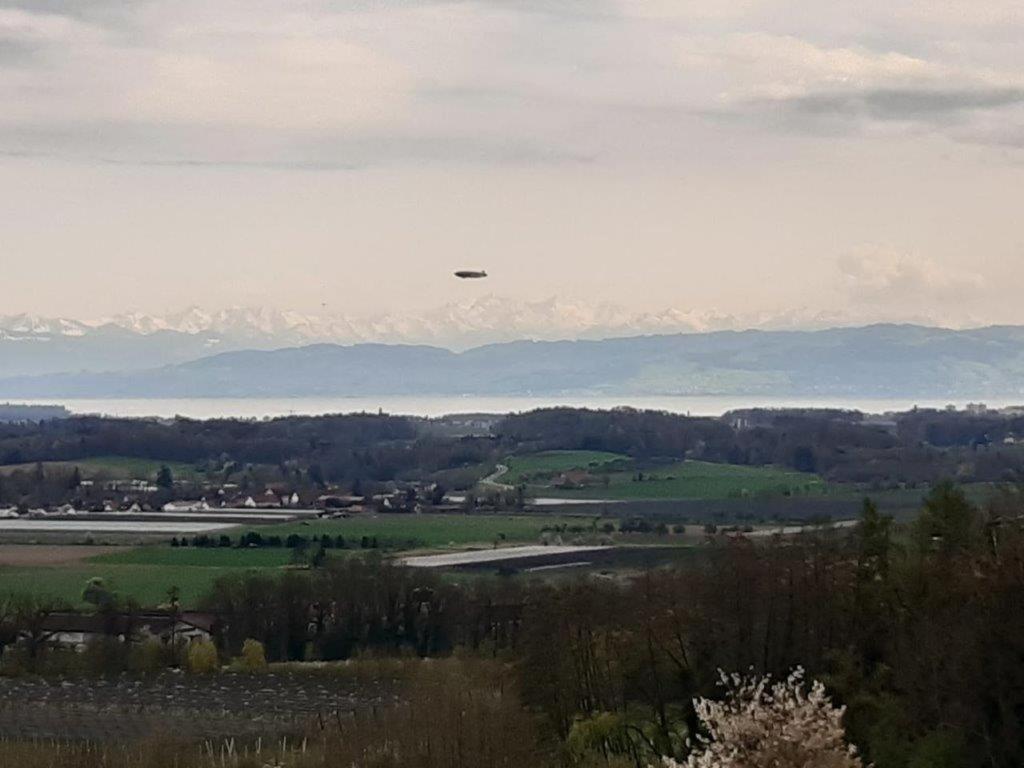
{"x":358,"y":451}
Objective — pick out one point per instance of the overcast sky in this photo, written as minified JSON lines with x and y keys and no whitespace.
{"x":809,"y":159}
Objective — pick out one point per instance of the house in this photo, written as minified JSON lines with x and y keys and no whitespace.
{"x":186,"y":506}
{"x":269,"y":500}
{"x":574,"y":478}
{"x":74,"y":630}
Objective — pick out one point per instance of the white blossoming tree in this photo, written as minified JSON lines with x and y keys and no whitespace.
{"x":761,"y":724}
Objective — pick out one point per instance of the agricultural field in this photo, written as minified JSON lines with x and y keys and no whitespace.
{"x":51,"y":554}
{"x":146,"y":584}
{"x":120,"y":709}
{"x":598,"y":475}
{"x":401,"y":532}
{"x":534,"y":467}
{"x":195,"y":557}
{"x":146,"y":573}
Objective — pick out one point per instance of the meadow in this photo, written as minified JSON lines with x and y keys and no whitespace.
{"x":528,"y":467}
{"x":616,"y":478}
{"x":195,"y":557}
{"x":148,"y":585}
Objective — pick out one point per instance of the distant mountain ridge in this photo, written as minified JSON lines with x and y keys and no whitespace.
{"x":869,"y":361}
{"x":36,"y":345}
{"x":33,"y":345}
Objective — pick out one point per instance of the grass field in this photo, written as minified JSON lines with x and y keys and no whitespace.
{"x":193,"y":557}
{"x":526,"y":469}
{"x":111,"y":468}
{"x":682,"y":480}
{"x":148,"y":584}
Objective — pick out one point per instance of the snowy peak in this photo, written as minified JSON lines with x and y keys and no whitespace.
{"x":25,"y":325}
{"x":458,"y":325}
{"x":487,"y":319}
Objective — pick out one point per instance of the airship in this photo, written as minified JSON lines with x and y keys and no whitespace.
{"x":470,"y":274}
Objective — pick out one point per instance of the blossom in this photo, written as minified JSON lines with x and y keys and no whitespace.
{"x":761,"y":724}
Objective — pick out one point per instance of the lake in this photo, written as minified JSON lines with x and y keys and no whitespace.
{"x":257,"y":408}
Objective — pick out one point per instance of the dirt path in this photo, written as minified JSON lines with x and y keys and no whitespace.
{"x":492,"y":479}
{"x":49,"y":554}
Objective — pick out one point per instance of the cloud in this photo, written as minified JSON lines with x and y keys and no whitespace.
{"x":20,"y":26}
{"x":892,"y":280}
{"x":789,"y":83}
{"x":299,"y":85}
{"x":761,"y":65}
{"x":959,"y":113}
{"x":330,"y":84}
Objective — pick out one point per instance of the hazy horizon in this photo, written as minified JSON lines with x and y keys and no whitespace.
{"x":486,"y":319}
{"x":761,"y":160}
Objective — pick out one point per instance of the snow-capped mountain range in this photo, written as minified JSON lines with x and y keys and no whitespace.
{"x":487,"y":319}
{"x":32,"y":345}
{"x":457,"y":325}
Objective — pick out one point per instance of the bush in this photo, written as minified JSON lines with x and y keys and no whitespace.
{"x":253,"y":658}
{"x":105,"y":655}
{"x":202,"y":657}
{"x":149,"y":657}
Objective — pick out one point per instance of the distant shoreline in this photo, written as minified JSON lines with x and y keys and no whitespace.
{"x":431,"y":407}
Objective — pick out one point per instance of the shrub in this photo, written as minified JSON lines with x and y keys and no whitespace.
{"x":253,"y":658}
{"x":202,"y":657}
{"x":149,"y":657}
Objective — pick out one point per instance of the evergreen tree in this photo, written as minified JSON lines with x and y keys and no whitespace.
{"x":165,"y":478}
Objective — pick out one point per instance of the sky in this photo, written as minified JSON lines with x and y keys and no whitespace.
{"x":795,"y":163}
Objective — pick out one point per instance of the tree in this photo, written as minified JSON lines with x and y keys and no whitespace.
{"x":96,"y":592}
{"x":165,"y":478}
{"x":761,"y":724}
{"x":873,"y":538}
{"x":437,"y":494}
{"x":804,"y":459}
{"x":29,"y":620}
{"x":319,"y":556}
{"x":948,"y":518}
{"x":316,"y":476}
{"x":173,"y":597}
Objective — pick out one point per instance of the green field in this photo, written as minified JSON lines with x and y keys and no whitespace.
{"x":147,"y":584}
{"x":528,"y":468}
{"x":194,"y":557}
{"x":611,"y":478}
{"x":145,"y":573}
{"x":111,"y":468}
